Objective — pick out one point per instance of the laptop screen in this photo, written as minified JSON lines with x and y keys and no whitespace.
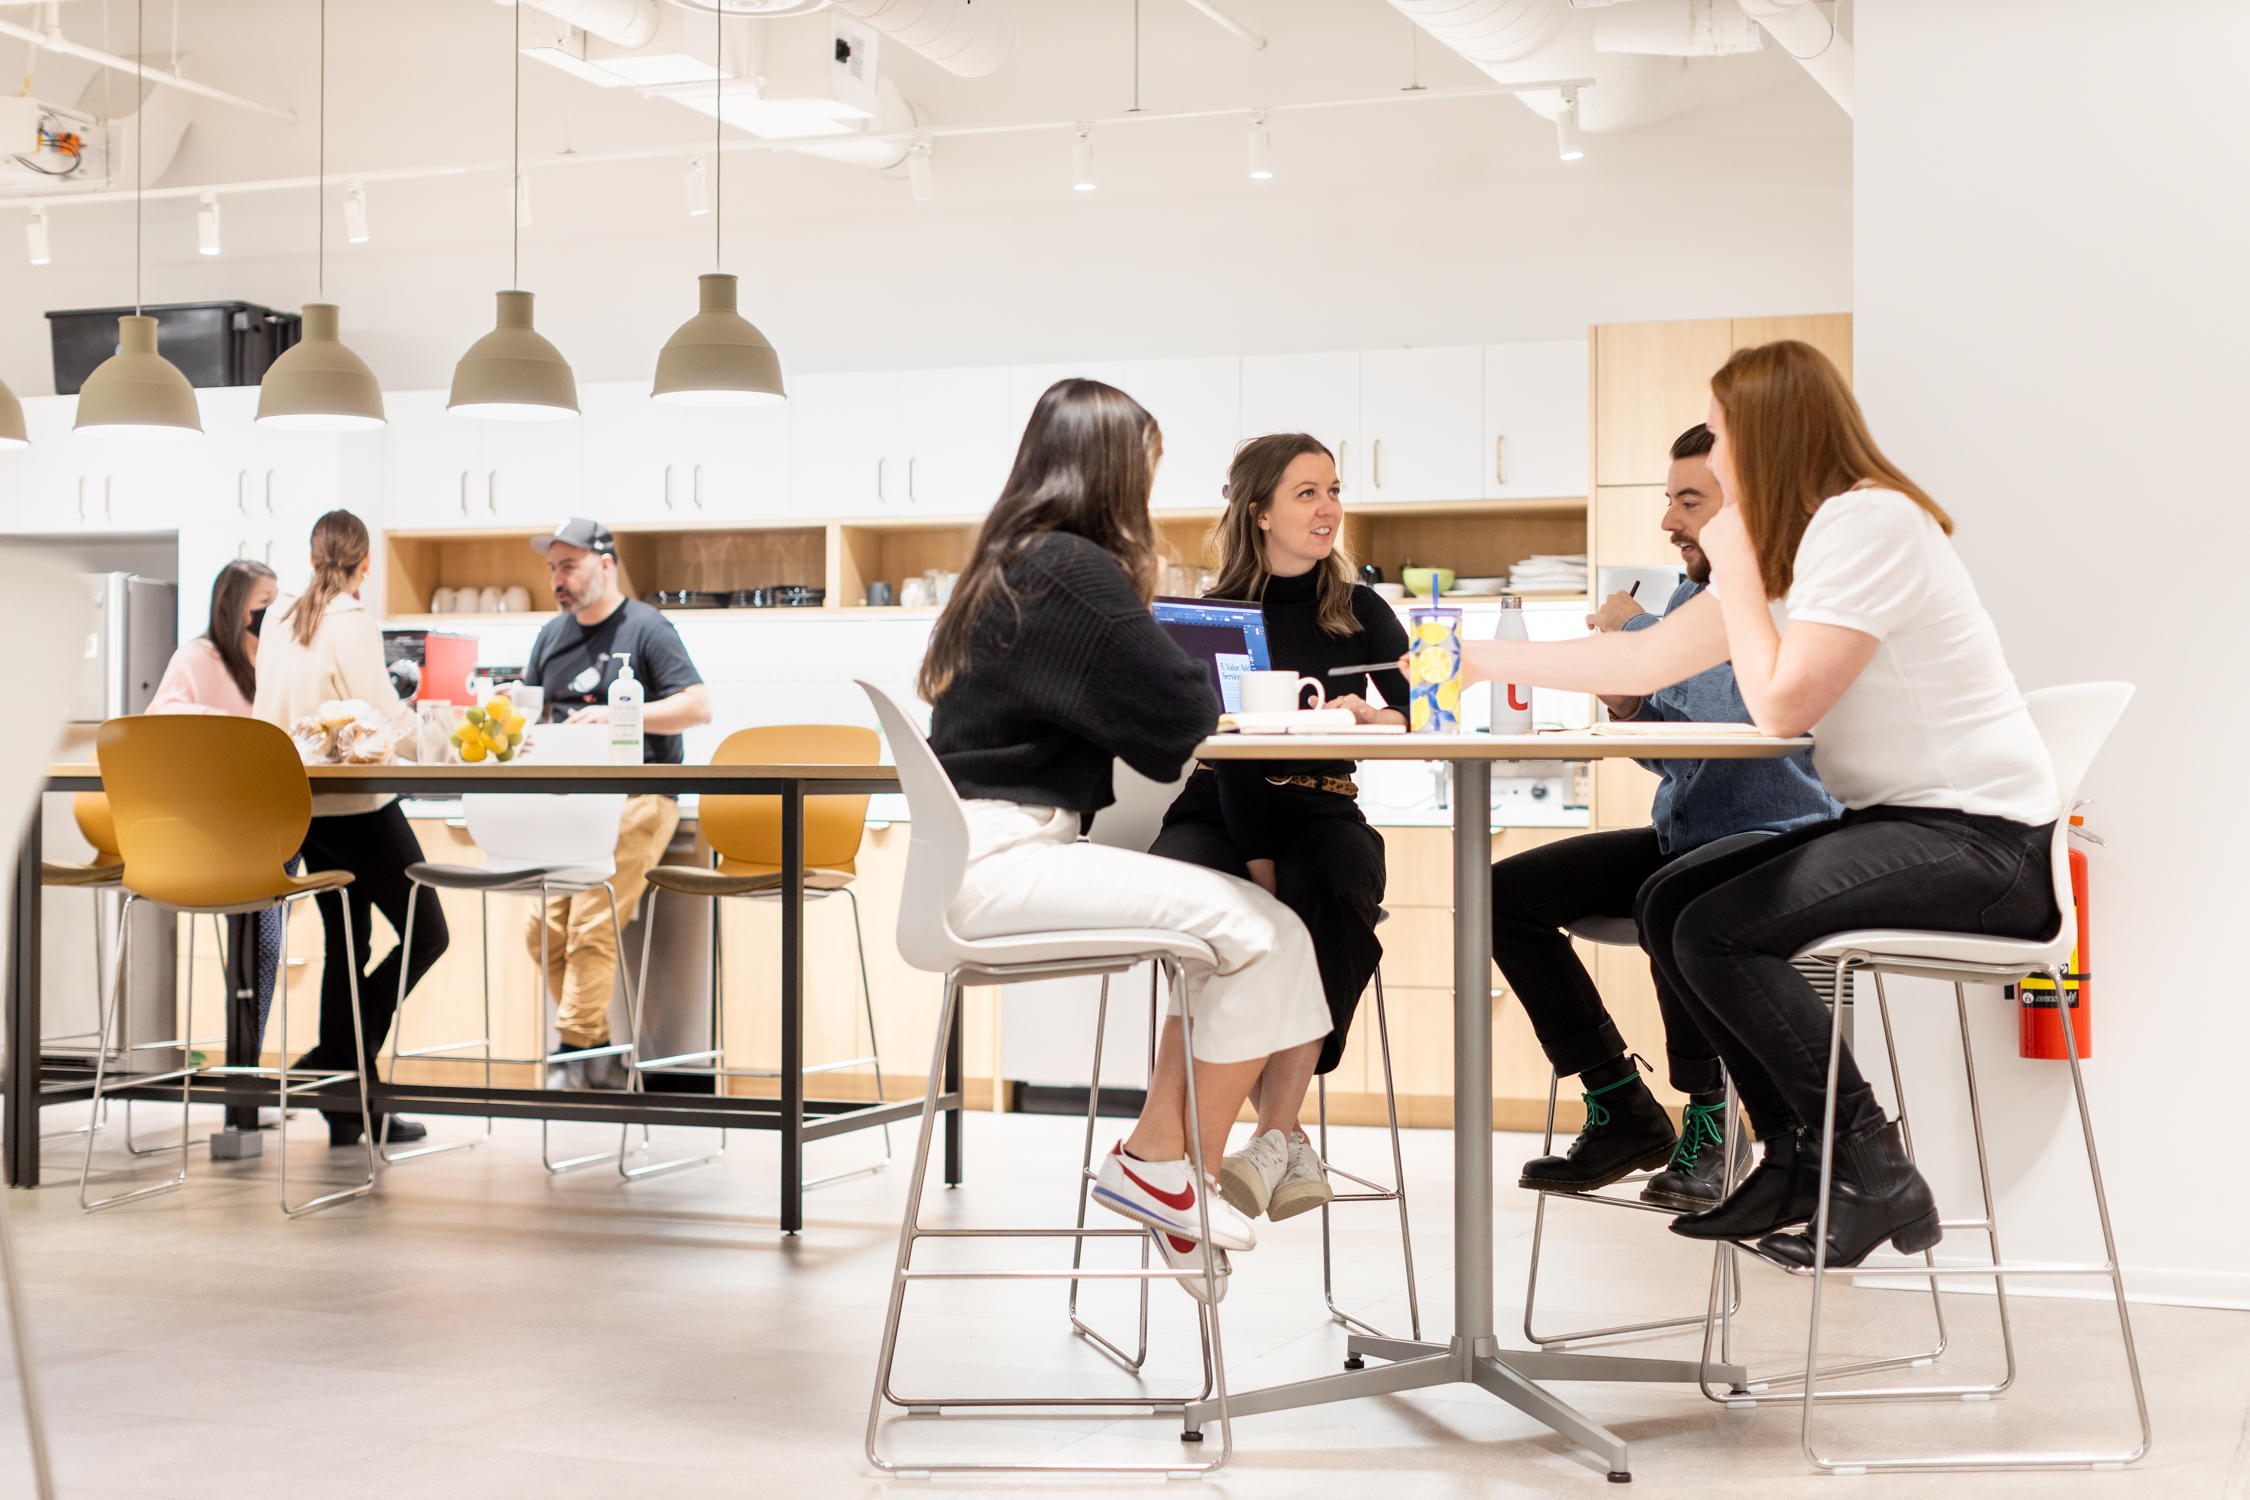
{"x":1227,"y":635}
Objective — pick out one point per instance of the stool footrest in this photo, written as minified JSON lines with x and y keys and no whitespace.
{"x":610,"y":1050}
{"x":442,"y":1047}
{"x":1066,"y":1273}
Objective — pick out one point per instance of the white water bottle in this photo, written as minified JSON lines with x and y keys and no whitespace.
{"x":1511,"y":702}
{"x":625,"y":715}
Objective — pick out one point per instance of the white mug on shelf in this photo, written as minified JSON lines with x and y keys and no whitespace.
{"x":441,"y":601}
{"x":1279,"y":692}
{"x":488,"y":600}
{"x":517,"y":600}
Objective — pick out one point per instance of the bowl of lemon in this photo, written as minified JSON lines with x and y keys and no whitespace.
{"x":493,"y":731}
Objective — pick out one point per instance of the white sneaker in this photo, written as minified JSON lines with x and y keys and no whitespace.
{"x":1161,"y":1195}
{"x":1187,"y":1255}
{"x":1248,"y":1177}
{"x":1304,"y":1184}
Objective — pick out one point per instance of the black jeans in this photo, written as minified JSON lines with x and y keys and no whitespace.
{"x":1721,"y":932}
{"x":1329,"y":871}
{"x":1535,"y":894}
{"x":376,"y":847}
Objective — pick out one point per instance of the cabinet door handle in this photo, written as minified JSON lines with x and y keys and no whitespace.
{"x":105,"y":496}
{"x":1499,"y":460}
{"x":695,"y":486}
{"x":269,"y":492}
{"x":1375,"y":463}
{"x":1343,"y":459}
{"x":879,"y":495}
{"x":241,"y":551}
{"x":464,"y":492}
{"x":910,"y":478}
{"x":242,"y":491}
{"x":667,"y":486}
{"x":492,"y":491}
{"x":81,"y":497}
{"x":269,"y":551}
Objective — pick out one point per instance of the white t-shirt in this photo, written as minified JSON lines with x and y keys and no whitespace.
{"x":1934,"y":719}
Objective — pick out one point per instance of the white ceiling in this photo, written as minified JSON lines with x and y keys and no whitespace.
{"x":1420,"y":222}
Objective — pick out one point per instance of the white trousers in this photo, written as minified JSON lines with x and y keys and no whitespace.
{"x":1028,"y":873}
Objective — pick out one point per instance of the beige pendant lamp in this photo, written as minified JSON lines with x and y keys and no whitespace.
{"x":137,"y":392}
{"x":12,"y":434}
{"x":717,"y":358}
{"x":318,"y":385}
{"x":512,"y":374}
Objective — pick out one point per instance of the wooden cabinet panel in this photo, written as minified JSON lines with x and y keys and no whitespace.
{"x":1651,"y":383}
{"x":1623,"y":794}
{"x":1630,"y":993}
{"x":1626,"y":530}
{"x":1830,"y":333}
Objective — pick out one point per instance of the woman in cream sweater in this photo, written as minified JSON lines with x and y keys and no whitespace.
{"x":319,"y":646}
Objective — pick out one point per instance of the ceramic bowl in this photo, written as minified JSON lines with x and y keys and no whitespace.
{"x":1424,"y":581}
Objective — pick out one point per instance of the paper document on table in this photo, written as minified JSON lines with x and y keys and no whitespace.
{"x":1303,"y":721}
{"x":1666,"y":729}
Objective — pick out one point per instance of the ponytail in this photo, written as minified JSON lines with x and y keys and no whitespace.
{"x":339,"y":548}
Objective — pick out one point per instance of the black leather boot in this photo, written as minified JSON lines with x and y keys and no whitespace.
{"x":1780,"y":1193}
{"x":1696,"y":1178}
{"x":1874,"y":1194}
{"x":1626,"y":1131}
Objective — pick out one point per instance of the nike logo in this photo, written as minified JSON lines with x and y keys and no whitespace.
{"x":1180,"y":1246}
{"x":1183,"y":1201}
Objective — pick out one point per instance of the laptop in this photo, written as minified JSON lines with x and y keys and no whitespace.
{"x":1227,"y":635}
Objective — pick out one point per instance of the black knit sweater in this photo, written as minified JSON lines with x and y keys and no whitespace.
{"x":1083,"y":675}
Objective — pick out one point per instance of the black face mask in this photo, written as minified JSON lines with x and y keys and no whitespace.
{"x":257,"y":621}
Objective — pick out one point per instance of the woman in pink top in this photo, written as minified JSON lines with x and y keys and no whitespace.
{"x":216,"y":673}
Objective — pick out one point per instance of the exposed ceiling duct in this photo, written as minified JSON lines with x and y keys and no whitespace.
{"x":1516,"y":41}
{"x":627,"y":23}
{"x":960,"y":36}
{"x":1809,"y":34}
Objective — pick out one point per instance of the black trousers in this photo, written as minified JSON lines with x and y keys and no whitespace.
{"x":1721,"y":931}
{"x":1534,"y":895}
{"x":1328,"y":870}
{"x":376,"y":847}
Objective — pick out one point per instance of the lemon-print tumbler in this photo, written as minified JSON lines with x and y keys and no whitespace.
{"x":1434,"y":656}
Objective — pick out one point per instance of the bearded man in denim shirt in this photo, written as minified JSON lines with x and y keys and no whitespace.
{"x":1701,"y":807}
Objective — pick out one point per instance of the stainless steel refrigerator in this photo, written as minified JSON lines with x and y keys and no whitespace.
{"x":130,"y":627}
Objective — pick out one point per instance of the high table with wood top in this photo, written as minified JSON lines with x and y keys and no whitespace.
{"x":1473,"y":1356}
{"x":28,"y":1084}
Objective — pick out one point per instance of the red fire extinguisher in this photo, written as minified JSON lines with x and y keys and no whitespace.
{"x":2039,"y":1019}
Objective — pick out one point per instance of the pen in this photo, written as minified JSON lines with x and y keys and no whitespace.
{"x":1365,"y":666}
{"x":1635,"y":592}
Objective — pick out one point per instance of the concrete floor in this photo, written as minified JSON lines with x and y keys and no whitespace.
{"x":481,"y":1329}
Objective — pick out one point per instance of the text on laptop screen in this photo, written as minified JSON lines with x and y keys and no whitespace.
{"x":1226,"y":635}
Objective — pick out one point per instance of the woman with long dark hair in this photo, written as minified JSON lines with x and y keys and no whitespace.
{"x":1044,"y":669}
{"x":319,"y":646}
{"x":1841,"y":603}
{"x":1295,"y":827}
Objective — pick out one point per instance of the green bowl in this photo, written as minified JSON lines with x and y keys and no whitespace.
{"x":1420,"y":581}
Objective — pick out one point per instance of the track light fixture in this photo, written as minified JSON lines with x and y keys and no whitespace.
{"x":35,"y":235}
{"x":207,"y":224}
{"x":1082,"y":158}
{"x":918,"y":174}
{"x":1567,"y":144}
{"x":355,"y":214}
{"x":1261,"y":147}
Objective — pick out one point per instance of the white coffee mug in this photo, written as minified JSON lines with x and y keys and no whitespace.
{"x":1279,"y":692}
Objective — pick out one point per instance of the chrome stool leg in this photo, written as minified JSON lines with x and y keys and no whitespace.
{"x":1086,"y":1181}
{"x":398,"y":1027}
{"x":635,"y":988}
{"x":1376,"y":1193}
{"x":322,"y":1082}
{"x":118,"y":1007}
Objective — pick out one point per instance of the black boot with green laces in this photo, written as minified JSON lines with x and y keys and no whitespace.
{"x":1626,"y":1131}
{"x":1696,"y":1177}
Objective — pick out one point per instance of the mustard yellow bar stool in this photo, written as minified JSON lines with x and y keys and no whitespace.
{"x":102,"y":874}
{"x":209,"y":810}
{"x":745,"y":833}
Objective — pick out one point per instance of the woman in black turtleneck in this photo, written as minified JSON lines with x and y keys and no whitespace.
{"x":1295,"y":827}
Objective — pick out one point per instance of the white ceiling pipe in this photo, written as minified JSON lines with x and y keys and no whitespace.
{"x":1519,"y":41}
{"x":965,"y":39}
{"x":1809,"y":34}
{"x":626,"y":23}
{"x":1256,"y":42}
{"x":53,"y":40}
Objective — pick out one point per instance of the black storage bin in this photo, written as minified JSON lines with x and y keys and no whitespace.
{"x":213,"y":343}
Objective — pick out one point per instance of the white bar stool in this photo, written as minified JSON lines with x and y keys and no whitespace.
{"x":936,"y":859}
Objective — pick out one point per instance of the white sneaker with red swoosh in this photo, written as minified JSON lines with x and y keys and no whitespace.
{"x":1187,"y":1255}
{"x":1162,"y":1195}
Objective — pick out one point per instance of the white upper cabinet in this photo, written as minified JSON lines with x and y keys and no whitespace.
{"x":1421,"y":413}
{"x":954,"y":443}
{"x":530,"y":474}
{"x":1027,"y":383}
{"x":1310,"y":393}
{"x":1198,"y":405}
{"x":843,"y":445}
{"x":429,"y":459}
{"x":649,"y":460}
{"x":1535,"y":401}
{"x":67,"y":483}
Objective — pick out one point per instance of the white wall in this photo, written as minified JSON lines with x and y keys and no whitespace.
{"x":1443,"y":222}
{"x":2052,"y":309}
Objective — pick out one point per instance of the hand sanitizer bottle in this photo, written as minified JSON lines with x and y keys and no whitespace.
{"x":625,"y":715}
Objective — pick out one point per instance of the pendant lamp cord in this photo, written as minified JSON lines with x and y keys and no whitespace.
{"x":320,"y":192}
{"x":515,"y":162}
{"x":718,"y":134}
{"x":140,"y":136}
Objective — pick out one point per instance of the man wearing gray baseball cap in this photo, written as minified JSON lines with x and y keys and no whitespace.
{"x":575,"y":659}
